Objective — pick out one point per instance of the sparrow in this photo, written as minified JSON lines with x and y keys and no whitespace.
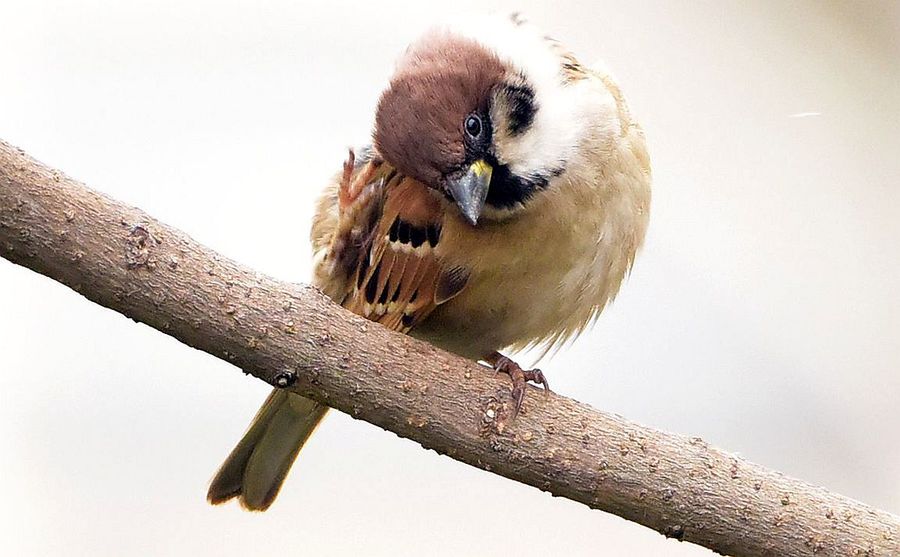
{"x":500,"y":205}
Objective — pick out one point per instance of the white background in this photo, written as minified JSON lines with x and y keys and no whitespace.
{"x":763,"y":314}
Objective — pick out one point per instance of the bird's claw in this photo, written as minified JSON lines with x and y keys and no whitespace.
{"x":520,"y":378}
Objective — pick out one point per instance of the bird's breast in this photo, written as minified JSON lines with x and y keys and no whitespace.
{"x":540,"y":277}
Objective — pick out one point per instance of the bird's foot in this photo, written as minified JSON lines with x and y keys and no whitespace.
{"x":351,"y":186}
{"x":520,"y":377}
{"x":345,"y":195}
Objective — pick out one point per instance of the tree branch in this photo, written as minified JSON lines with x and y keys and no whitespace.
{"x":292,"y":336}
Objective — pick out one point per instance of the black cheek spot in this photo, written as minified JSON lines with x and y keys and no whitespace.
{"x":522,"y":108}
{"x":407,"y":320}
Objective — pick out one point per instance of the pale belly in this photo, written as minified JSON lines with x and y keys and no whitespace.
{"x":532,"y":283}
{"x":497,"y":309}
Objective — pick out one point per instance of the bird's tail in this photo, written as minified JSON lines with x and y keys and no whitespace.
{"x":255,"y":469}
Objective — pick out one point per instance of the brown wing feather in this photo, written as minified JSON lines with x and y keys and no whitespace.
{"x":384,"y":247}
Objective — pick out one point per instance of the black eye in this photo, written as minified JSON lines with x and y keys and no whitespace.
{"x":473,"y":126}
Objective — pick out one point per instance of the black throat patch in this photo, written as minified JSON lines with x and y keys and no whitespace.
{"x":508,"y":190}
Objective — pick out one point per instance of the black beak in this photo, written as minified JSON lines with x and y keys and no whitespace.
{"x":471,"y":189}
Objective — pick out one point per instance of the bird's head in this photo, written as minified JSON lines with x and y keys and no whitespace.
{"x":487,"y":126}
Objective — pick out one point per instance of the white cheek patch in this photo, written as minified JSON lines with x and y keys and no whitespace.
{"x":564,"y":111}
{"x":550,"y":141}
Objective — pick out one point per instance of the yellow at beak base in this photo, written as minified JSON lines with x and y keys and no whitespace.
{"x":481,"y":168}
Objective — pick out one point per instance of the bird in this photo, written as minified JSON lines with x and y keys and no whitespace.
{"x":499,"y":206}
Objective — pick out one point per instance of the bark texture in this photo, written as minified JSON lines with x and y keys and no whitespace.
{"x":291,"y":336}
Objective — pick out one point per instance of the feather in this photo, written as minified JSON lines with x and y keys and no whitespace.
{"x":386,"y":239}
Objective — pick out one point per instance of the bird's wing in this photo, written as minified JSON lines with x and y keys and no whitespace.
{"x":384,"y":244}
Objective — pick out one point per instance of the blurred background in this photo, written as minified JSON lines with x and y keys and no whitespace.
{"x":763,"y":314}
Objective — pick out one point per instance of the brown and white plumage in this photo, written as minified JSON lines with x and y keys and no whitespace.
{"x":501,"y":205}
{"x":381,"y":259}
